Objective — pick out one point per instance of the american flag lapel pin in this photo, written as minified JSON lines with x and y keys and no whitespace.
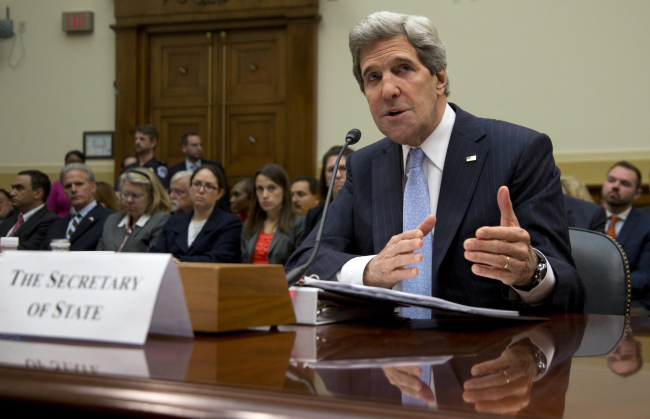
{"x":470,"y":158}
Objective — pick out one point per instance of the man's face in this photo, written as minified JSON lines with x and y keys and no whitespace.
{"x":340,"y":175}
{"x":23,"y":197}
{"x":406,"y":101}
{"x":240,"y":200}
{"x":179,"y":192}
{"x":620,"y":188}
{"x":193,"y":149}
{"x":5,"y":206}
{"x":143,"y":143}
{"x":78,"y":190}
{"x":302,"y":198}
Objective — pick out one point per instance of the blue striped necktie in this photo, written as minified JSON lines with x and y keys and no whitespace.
{"x":416,"y":209}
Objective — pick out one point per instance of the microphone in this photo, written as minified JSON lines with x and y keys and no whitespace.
{"x":296,"y":273}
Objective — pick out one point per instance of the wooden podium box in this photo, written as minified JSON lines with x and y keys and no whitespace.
{"x":228,"y":296}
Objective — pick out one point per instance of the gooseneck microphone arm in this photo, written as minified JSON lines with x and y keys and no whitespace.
{"x":296,"y":273}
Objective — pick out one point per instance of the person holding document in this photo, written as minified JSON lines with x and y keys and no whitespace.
{"x":491,"y":190}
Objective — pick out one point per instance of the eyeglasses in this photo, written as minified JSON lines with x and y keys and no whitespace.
{"x":208,"y":187}
{"x":179,"y":192}
{"x":135,"y":196}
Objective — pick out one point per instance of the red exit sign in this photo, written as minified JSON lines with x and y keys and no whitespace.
{"x":78,"y":21}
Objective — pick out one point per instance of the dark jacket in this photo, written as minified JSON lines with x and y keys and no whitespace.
{"x":32,"y":233}
{"x":87,"y":234}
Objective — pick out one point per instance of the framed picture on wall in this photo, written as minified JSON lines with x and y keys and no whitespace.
{"x":98,"y":144}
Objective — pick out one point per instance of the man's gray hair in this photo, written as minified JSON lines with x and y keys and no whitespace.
{"x":78,"y":166}
{"x":418,"y":29}
{"x":180,"y":175}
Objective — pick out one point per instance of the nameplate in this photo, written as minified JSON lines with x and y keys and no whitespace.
{"x":109,"y":297}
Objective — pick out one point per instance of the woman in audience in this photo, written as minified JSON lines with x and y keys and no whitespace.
{"x":272,"y":231}
{"x":575,"y":188}
{"x":207,"y":233}
{"x":56,"y":201}
{"x":240,"y":197}
{"x":145,"y":210}
{"x":105,"y":196}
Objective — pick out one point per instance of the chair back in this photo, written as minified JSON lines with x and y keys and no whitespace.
{"x":602,"y":265}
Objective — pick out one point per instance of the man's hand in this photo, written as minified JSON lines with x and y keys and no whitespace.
{"x":407,"y":379}
{"x":504,"y":252}
{"x":502,"y":385}
{"x":387,"y":268}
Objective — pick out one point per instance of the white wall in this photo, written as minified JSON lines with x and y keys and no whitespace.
{"x":62,"y":87}
{"x":574,"y":69}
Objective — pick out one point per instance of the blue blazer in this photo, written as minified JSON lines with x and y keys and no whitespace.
{"x":87,"y":234}
{"x":367,"y":212}
{"x":582,"y":214}
{"x":634,"y":238}
{"x":218,"y":240}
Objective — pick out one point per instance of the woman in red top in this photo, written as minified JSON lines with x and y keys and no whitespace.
{"x":272,"y":231}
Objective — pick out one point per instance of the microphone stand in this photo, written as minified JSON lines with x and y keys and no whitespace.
{"x":296,"y":273}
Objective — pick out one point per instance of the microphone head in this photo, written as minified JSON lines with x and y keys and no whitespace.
{"x":353,"y":136}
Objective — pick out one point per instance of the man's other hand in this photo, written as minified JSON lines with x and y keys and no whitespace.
{"x":387,"y":268}
{"x":504,"y":252}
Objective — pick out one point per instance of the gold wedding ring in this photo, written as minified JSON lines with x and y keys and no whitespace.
{"x":506,"y":374}
{"x":507,"y":263}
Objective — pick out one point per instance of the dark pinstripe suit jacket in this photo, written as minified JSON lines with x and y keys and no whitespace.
{"x":368,"y":211}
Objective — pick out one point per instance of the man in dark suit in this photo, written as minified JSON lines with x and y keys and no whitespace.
{"x":629,"y":227}
{"x":32,"y":218}
{"x":84,"y":226}
{"x":499,"y":241}
{"x":583,"y":214}
{"x":6,"y":210}
{"x":192,"y":147}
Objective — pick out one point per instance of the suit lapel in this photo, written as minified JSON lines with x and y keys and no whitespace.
{"x":85,"y":223}
{"x":387,"y":195}
{"x":28,"y":225}
{"x":628,"y":227}
{"x":459,"y":180}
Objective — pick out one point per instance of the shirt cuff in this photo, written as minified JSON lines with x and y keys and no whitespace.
{"x":543,"y":340}
{"x":352,"y":271}
{"x":541,"y":292}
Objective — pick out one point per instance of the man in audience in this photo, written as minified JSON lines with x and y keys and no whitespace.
{"x":146,"y":139}
{"x":32,"y":218}
{"x":630,"y":228}
{"x":583,"y":214}
{"x":85,"y":224}
{"x":6,"y":210}
{"x":192,"y":147}
{"x":179,"y":192}
{"x":304,"y":194}
{"x":499,"y":241}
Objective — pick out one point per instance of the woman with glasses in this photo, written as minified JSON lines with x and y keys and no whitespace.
{"x":207,"y":233}
{"x":145,"y":210}
{"x":272,"y":231}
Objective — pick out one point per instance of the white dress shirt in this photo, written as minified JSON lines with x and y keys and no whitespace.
{"x":435,"y":150}
{"x":84,"y":211}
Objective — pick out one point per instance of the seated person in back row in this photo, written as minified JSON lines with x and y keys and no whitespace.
{"x":146,"y":208}
{"x":6,"y":210}
{"x":32,"y":218}
{"x":179,"y":193}
{"x":84,"y":226}
{"x":207,"y":233}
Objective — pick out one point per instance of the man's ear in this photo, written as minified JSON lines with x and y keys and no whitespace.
{"x":155,"y":142}
{"x":38,"y":193}
{"x":638,"y":193}
{"x":441,"y":82}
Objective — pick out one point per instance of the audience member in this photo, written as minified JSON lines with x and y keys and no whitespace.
{"x":6,"y":210}
{"x":179,"y":192}
{"x":575,"y":188}
{"x":105,"y":196}
{"x":304,"y":194}
{"x":145,"y":210}
{"x":207,"y":233}
{"x":85,"y":225}
{"x":327,"y":170}
{"x":128,"y":160}
{"x":32,"y":218}
{"x":629,"y":227}
{"x":240,"y":199}
{"x":272,"y":231}
{"x":582,"y":214}
{"x":146,"y":139}
{"x":57,"y":201}
{"x":192,"y":147}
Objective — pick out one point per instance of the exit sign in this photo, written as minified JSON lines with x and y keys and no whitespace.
{"x":78,"y":21}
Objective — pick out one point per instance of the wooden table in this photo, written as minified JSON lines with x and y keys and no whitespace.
{"x":313,"y":372}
